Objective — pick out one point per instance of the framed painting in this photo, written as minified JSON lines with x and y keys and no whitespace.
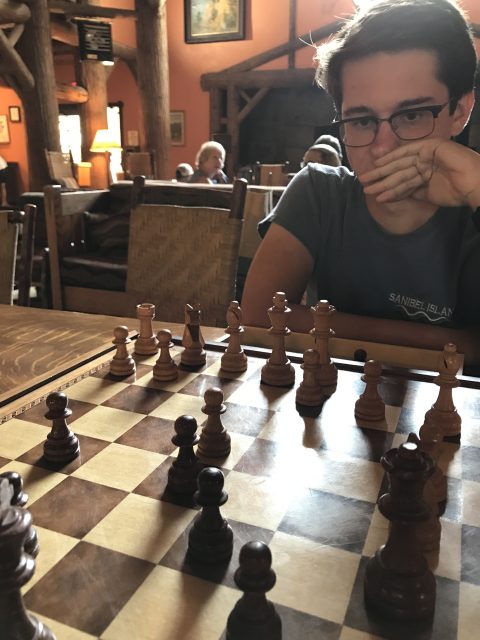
{"x":177,"y":128}
{"x":14,"y":114}
{"x":4,"y":132}
{"x":214,"y":20}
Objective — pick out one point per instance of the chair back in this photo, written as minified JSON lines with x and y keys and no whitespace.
{"x":185,"y":254}
{"x":272,"y":175}
{"x":139,"y":163}
{"x":60,"y":169}
{"x":24,"y":263}
{"x":9,"y":230}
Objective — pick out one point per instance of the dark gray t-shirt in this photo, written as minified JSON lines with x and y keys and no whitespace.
{"x":430,"y":275}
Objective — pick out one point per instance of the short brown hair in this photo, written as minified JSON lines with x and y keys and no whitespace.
{"x":397,"y":25}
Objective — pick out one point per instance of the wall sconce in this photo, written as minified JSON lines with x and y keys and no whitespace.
{"x":105,"y":142}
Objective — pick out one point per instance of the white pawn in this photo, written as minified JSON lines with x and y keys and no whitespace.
{"x":370,"y":407}
{"x":146,"y":344}
{"x":234,"y":359}
{"x":122,"y":364}
{"x":214,"y":439}
{"x":165,"y":368}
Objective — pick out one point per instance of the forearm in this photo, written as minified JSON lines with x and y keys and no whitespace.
{"x":398,"y":332}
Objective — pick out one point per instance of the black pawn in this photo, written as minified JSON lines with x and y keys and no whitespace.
{"x":211,"y":538}
{"x":398,"y":582}
{"x":254,"y":617}
{"x":61,"y":445}
{"x":16,"y":569}
{"x":182,"y":475}
{"x":19,"y":499}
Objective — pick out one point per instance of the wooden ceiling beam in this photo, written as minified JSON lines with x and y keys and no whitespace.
{"x":14,"y":63}
{"x":68,"y":34}
{"x":70,"y":94}
{"x":87,"y":10}
{"x":11,"y":11}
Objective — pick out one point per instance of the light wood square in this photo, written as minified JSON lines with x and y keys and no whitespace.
{"x":181,"y":404}
{"x":18,"y":436}
{"x":120,"y":466}
{"x":306,"y":569}
{"x":106,"y":423}
{"x":53,"y":547}
{"x":468,"y":611}
{"x":141,"y":527}
{"x":36,"y":481}
{"x":471,"y":503}
{"x":62,"y":631}
{"x":171,"y":604}
{"x":95,"y":390}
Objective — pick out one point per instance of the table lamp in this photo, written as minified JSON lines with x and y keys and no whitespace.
{"x":103,"y":142}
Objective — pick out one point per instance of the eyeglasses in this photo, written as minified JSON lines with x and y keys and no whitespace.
{"x":407,"y":124}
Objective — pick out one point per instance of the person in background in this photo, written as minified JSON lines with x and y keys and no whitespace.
{"x":325,"y":150}
{"x":183,"y":172}
{"x":209,"y":164}
{"x":393,"y":244}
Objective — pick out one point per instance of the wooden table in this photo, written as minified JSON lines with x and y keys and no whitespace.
{"x":40,"y":348}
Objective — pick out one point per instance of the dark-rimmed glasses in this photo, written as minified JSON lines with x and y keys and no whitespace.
{"x":407,"y":124}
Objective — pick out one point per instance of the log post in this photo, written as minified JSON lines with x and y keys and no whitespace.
{"x":153,"y":80}
{"x":40,"y":103}
{"x":92,"y":76}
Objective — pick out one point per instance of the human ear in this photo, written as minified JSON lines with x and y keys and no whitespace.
{"x":462,"y":112}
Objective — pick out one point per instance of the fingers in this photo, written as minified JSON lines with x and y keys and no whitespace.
{"x":396,"y":190}
{"x":387,"y":169}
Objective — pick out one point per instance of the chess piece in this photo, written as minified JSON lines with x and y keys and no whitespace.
{"x":211,"y":537}
{"x":398,"y":581}
{"x":214,"y":439}
{"x":429,"y":530}
{"x":309,"y":392}
{"x":19,"y":499}
{"x":165,"y":368}
{"x":370,"y":407}
{"x":122,"y":364}
{"x":182,"y":475}
{"x":327,"y":372}
{"x":146,"y":344}
{"x":443,"y":414}
{"x":234,"y":359}
{"x":278,"y":370}
{"x":16,"y":569}
{"x":253,"y":616}
{"x":193,"y":354}
{"x":61,"y":445}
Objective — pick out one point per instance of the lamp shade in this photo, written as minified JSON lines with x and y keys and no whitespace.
{"x":104,"y":141}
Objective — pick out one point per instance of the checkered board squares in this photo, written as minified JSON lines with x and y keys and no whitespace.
{"x":113,"y":561}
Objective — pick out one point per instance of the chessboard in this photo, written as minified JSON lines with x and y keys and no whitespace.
{"x":113,"y":563}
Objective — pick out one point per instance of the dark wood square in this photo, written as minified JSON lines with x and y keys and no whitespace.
{"x":470,"y":463}
{"x":470,"y":547}
{"x":178,"y":558}
{"x":89,"y":447}
{"x":75,"y":506}
{"x":155,"y":486}
{"x":442,"y":627}
{"x":369,"y":444}
{"x":3,"y":461}
{"x":201,"y":383}
{"x":141,"y":370}
{"x":88,"y":587}
{"x":37,"y":413}
{"x":328,"y":519}
{"x":137,"y":399}
{"x":151,"y":434}
{"x":264,"y":458}
{"x":302,"y":626}
{"x":244,"y":419}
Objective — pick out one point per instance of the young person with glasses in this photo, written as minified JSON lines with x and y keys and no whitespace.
{"x":395,"y":245}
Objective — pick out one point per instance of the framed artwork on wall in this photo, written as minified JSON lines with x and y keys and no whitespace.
{"x":14,"y":114}
{"x":4,"y":132}
{"x":214,"y":20}
{"x":177,"y":128}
